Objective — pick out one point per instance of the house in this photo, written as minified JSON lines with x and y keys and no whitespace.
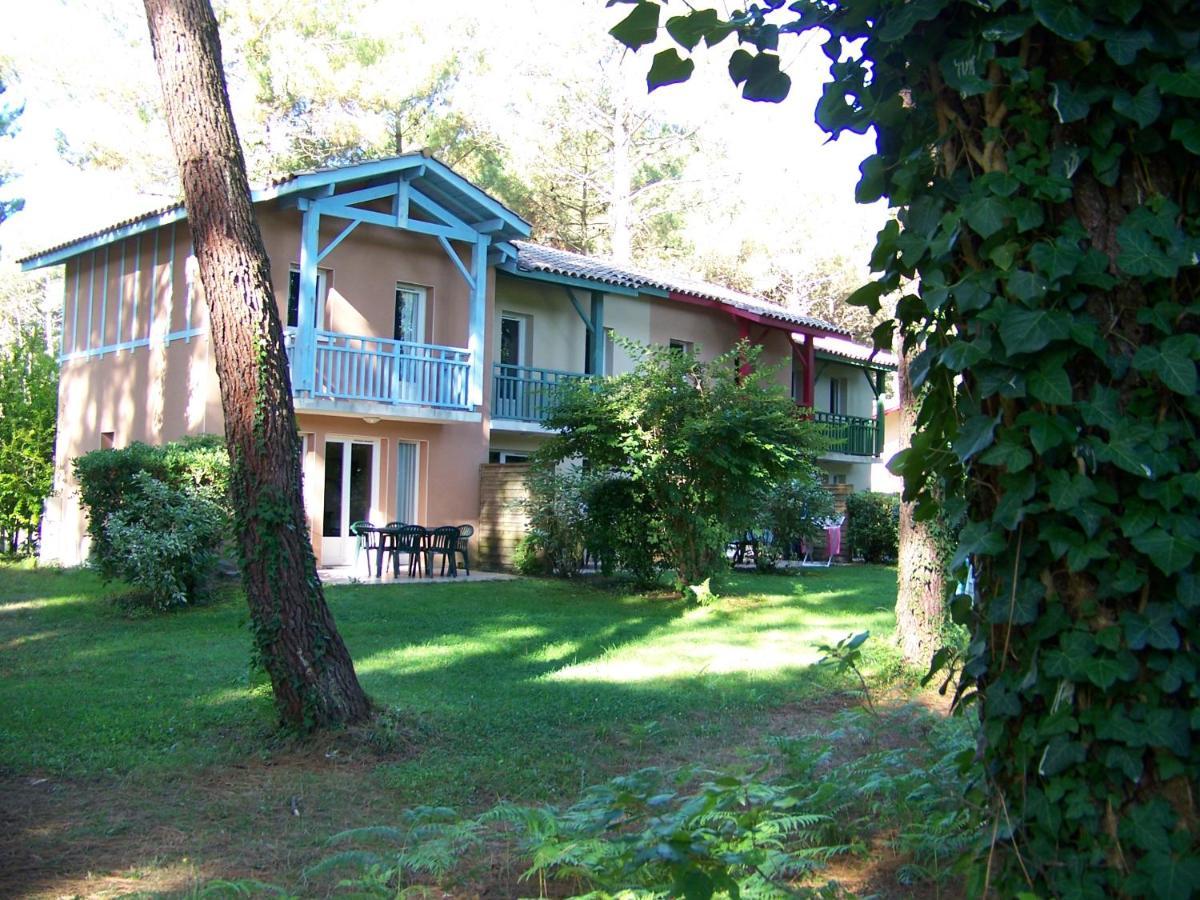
{"x":425,"y":337}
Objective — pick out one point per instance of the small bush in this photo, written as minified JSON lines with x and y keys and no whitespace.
{"x":528,"y":559}
{"x":557,"y":519}
{"x":620,"y":533}
{"x":157,"y":516}
{"x":873,"y":526}
{"x":790,"y":512}
{"x":165,"y":543}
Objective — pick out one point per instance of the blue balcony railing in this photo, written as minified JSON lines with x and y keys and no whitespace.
{"x":525,"y":393}
{"x":852,"y":435}
{"x":354,"y":367}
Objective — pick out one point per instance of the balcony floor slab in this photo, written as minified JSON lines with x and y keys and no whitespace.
{"x":394,"y":412}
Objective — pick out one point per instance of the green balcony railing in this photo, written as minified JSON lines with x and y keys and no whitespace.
{"x":852,"y":435}
{"x":525,"y":393}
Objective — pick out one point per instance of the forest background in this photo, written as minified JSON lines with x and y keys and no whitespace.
{"x":528,"y":98}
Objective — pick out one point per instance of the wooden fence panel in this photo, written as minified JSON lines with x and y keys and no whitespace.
{"x":503,"y":490}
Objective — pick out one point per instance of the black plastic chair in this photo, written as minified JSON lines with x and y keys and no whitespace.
{"x":464,"y":538}
{"x":409,"y":539}
{"x":444,"y":540}
{"x":366,"y":537}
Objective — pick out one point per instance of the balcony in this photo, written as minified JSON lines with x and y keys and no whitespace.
{"x":378,"y":372}
{"x":526,"y":394}
{"x":852,"y":435}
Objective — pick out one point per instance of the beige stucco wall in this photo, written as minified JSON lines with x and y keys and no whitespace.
{"x":449,"y":456}
{"x":166,"y":390}
{"x":860,"y":399}
{"x":555,"y":336}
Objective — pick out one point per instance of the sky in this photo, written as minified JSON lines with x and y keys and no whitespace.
{"x":72,"y":63}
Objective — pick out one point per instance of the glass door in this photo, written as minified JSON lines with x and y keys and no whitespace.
{"x":351,"y":486}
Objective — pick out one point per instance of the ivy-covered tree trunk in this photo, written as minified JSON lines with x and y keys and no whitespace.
{"x":1042,"y":154}
{"x":921,"y":587}
{"x":295,"y":638}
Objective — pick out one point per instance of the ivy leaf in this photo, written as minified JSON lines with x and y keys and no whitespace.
{"x":668,"y":67}
{"x":1169,"y":552}
{"x":638,"y":28}
{"x":1140,"y":253}
{"x":1154,"y":628}
{"x":1056,"y":260}
{"x":1007,"y":29}
{"x":961,"y":355}
{"x":1070,"y":106}
{"x":1060,"y":754}
{"x":1029,"y":330}
{"x":1105,"y":671}
{"x":1026,"y":286}
{"x":1122,"y":46}
{"x":1179,"y":84}
{"x":964,"y":65}
{"x":1125,"y":760}
{"x":974,"y":435}
{"x":764,"y":81}
{"x":1149,"y":825}
{"x":1143,"y":107}
{"x":688,"y":30}
{"x":901,"y":20}
{"x":1187,"y":132}
{"x":1176,"y":368}
{"x":1064,"y":18}
{"x":739,"y":65}
{"x":986,"y":216}
{"x":1012,"y":456}
{"x":1053,"y":387}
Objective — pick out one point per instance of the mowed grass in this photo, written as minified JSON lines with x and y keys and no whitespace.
{"x":526,"y":690}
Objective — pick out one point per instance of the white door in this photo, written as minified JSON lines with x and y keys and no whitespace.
{"x":351,"y":495}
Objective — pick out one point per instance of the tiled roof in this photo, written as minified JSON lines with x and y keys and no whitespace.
{"x":537,"y":258}
{"x":857,"y":352}
{"x":116,"y":226}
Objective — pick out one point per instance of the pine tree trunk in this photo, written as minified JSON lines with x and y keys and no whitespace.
{"x":920,"y":594}
{"x":311,"y":672}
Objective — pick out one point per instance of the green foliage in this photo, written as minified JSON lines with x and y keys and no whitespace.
{"x":868,"y":783}
{"x":694,"y":441}
{"x":638,"y":835}
{"x":1040,"y":153}
{"x":157,"y":515}
{"x":872,"y":525}
{"x":557,"y":512}
{"x":617,"y":533}
{"x":790,"y":512}
{"x":28,"y":417}
{"x":165,"y":542}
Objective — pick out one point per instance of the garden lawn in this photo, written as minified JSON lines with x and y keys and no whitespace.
{"x":526,"y":690}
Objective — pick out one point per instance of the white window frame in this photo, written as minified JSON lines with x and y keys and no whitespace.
{"x":422,"y":297}
{"x":322,"y":289}
{"x":523,"y":324}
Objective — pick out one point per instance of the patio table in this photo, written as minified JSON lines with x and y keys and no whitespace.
{"x":388,"y":537}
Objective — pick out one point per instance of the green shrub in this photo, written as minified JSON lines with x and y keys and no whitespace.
{"x":620,"y":534}
{"x":557,"y":518}
{"x":157,"y":516}
{"x":528,"y":558}
{"x":790,"y":512}
{"x":105,"y":483}
{"x":165,"y":543}
{"x":873,"y":526}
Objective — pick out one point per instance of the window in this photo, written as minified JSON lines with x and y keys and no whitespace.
{"x":507,"y":457}
{"x":107,"y":440}
{"x":838,"y":389}
{"x":410,"y":313}
{"x":513,"y":330}
{"x":293,"y":307}
{"x":681,"y":346}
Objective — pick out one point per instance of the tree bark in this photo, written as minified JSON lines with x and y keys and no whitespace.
{"x":295,"y":637}
{"x":920,"y":594}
